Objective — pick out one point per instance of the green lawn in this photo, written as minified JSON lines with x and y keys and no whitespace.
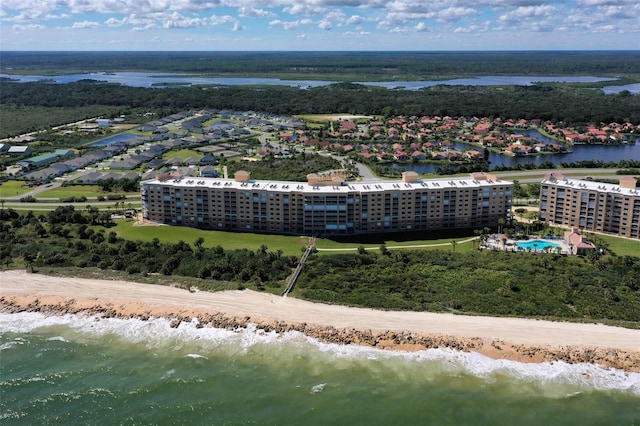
{"x":71,"y":191}
{"x":12,"y":188}
{"x":463,"y":244}
{"x":182,"y":154}
{"x":622,"y":246}
{"x":77,"y":191}
{"x":289,"y":245}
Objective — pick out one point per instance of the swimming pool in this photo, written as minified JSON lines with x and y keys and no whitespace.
{"x":537,"y":245}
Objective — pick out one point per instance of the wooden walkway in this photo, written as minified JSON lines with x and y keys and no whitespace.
{"x":296,"y":273}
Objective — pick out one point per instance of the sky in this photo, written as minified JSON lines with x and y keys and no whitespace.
{"x":319,"y":25}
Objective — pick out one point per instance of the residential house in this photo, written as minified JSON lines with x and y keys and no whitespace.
{"x":19,"y":150}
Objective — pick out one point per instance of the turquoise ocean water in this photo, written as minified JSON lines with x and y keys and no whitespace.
{"x":67,"y":370}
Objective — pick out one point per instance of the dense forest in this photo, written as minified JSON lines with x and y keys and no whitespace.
{"x":293,"y":169}
{"x":340,"y":66}
{"x":570,"y":105}
{"x":517,"y":284}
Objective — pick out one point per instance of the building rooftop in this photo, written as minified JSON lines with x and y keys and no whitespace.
{"x":344,"y":188}
{"x":625,"y":187}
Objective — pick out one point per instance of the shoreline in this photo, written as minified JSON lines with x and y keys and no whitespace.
{"x":516,"y":339}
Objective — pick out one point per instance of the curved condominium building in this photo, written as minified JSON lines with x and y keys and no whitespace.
{"x":326,"y":205}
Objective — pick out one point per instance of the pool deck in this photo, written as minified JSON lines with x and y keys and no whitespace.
{"x":502,"y":243}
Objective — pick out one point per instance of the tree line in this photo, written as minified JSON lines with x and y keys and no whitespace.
{"x":345,"y":66}
{"x":570,"y":105}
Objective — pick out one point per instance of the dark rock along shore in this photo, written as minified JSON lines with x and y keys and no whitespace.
{"x":391,"y":340}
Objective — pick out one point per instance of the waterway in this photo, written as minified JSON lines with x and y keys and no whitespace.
{"x":489,"y":80}
{"x":143,"y":79}
{"x":607,"y":153}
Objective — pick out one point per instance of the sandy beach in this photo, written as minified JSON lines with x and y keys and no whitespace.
{"x":524,"y":340}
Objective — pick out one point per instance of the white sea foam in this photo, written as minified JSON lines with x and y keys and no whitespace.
{"x":8,"y":345}
{"x":557,"y":378}
{"x":318,"y":388}
{"x":168,"y":374}
{"x":196,"y":356}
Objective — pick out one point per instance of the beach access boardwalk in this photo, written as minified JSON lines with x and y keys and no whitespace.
{"x":296,"y":273}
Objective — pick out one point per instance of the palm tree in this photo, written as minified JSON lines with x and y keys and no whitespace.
{"x":198,"y":243}
{"x":29,"y":257}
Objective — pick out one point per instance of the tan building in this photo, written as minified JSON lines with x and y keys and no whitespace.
{"x":326,"y":205}
{"x":591,"y":206}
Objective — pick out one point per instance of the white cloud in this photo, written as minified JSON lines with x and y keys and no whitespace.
{"x":421,"y":27}
{"x":50,"y":16}
{"x":143,"y":27}
{"x":304,"y":9}
{"x":27,"y":27}
{"x":85,"y":25}
{"x":455,"y":13}
{"x":178,"y":21}
{"x":355,"y":20}
{"x":251,"y":12}
{"x":399,"y":30}
{"x":621,"y":12}
{"x":336,"y":16}
{"x":606,"y":2}
{"x":357,"y":34}
{"x":217,"y":20}
{"x":483,"y":27}
{"x":115,"y":23}
{"x":290,"y":25}
{"x":528,"y":12}
{"x":324,"y":25}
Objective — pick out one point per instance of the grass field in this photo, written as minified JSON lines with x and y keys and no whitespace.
{"x":622,"y":246}
{"x":182,"y":154}
{"x":229,"y":240}
{"x":12,"y":188}
{"x":291,"y":245}
{"x":88,"y":191}
{"x":462,"y":244}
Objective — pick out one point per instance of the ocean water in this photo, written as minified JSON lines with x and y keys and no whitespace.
{"x":68,"y":370}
